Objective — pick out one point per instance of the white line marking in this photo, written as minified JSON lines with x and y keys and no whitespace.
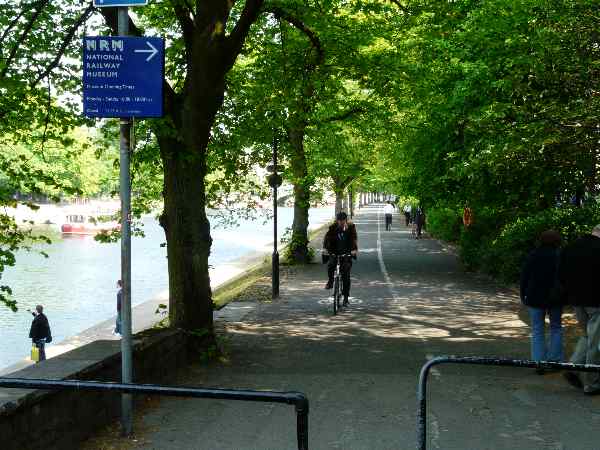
{"x":384,"y":271}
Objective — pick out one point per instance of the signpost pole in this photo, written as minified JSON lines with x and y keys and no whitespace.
{"x":275,"y":258}
{"x":125,"y":193}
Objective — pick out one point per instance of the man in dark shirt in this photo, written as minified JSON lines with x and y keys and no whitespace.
{"x":40,"y":331}
{"x":119,"y":297}
{"x":340,"y":239}
{"x":578,"y":275}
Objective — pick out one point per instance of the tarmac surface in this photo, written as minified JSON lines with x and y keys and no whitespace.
{"x":410,"y":301}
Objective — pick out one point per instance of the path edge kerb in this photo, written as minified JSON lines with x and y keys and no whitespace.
{"x":258,"y":266}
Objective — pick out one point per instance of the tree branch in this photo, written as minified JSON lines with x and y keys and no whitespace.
{"x":280,"y":13}
{"x":186,"y":23}
{"x":343,"y":115}
{"x":63,"y":46}
{"x":14,"y":22}
{"x":403,"y":8}
{"x":235,"y":41}
{"x":28,"y":27}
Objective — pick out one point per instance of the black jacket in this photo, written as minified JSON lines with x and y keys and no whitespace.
{"x":40,"y":328}
{"x":578,"y":272}
{"x":330,"y":242}
{"x":539,"y":276}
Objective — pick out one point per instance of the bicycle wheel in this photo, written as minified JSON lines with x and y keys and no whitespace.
{"x":336,"y":285}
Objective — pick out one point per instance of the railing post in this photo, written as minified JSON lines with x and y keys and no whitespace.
{"x":302,"y":428}
{"x":481,"y":361}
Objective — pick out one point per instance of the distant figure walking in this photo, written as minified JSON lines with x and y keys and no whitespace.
{"x":388,"y":210}
{"x":40,"y":331}
{"x":119,"y":301}
{"x":407,"y":213}
{"x":419,"y":221}
{"x":538,"y":280}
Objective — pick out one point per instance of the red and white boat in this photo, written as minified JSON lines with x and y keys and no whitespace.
{"x":84,"y":223}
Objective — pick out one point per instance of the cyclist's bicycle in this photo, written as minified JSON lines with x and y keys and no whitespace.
{"x":337,"y":282}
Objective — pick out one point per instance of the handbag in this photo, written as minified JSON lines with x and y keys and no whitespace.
{"x":35,"y":353}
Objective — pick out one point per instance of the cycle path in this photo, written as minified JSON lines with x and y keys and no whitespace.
{"x":410,"y":301}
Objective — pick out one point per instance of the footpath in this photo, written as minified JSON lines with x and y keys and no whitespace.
{"x":410,"y":301}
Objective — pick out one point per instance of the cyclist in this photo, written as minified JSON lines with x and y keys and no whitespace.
{"x":340,"y":239}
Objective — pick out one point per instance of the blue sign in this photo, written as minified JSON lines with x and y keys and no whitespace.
{"x":101,"y":3}
{"x":123,"y":76}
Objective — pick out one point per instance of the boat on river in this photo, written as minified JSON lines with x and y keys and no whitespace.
{"x":81,"y":222}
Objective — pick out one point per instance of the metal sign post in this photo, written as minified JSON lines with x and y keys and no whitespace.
{"x":125,"y":191}
{"x":123,"y":77}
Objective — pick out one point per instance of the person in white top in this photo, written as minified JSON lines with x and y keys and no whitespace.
{"x":388,"y":210}
{"x":407,"y":213}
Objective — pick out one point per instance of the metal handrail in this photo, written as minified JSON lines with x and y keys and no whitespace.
{"x":482,"y":361}
{"x":297,"y":399}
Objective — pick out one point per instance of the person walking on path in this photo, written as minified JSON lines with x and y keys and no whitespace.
{"x":340,"y":239}
{"x":388,"y":210}
{"x":40,"y":331}
{"x":419,"y":221}
{"x":538,"y":279}
{"x":407,"y":212}
{"x":119,"y":296}
{"x":578,"y":275}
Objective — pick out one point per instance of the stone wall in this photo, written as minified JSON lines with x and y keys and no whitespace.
{"x":37,"y":419}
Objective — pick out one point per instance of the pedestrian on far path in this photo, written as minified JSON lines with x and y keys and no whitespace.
{"x":419,"y":221}
{"x":407,"y":213}
{"x":119,"y":297}
{"x":538,"y":280}
{"x":388,"y":210}
{"x":578,"y":274}
{"x":40,"y":331}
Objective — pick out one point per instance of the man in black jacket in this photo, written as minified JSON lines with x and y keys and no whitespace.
{"x":578,"y":275}
{"x":340,"y":239}
{"x":40,"y":331}
{"x":537,"y":281}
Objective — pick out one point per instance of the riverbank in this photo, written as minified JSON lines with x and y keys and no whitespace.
{"x":147,"y":313}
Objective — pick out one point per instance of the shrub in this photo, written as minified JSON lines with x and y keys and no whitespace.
{"x":444,"y":223}
{"x":510,"y":248}
{"x":476,"y":240}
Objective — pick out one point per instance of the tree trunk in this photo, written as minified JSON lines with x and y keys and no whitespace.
{"x":299,"y":243}
{"x":184,"y":218}
{"x":339,"y":197}
{"x":188,"y":243}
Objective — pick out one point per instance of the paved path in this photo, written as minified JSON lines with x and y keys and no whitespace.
{"x":410,"y":301}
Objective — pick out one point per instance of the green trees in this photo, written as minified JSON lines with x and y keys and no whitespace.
{"x":499,"y":106}
{"x":490,"y":103}
{"x":37,"y":48}
{"x":300,"y":75}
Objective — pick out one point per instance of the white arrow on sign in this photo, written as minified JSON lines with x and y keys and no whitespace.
{"x":152,"y":50}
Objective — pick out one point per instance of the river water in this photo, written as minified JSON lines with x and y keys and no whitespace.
{"x":76,"y":283}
